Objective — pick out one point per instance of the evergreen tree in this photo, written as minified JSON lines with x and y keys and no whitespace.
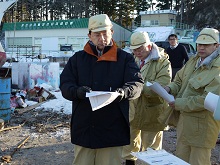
{"x":198,"y":13}
{"x":143,"y":6}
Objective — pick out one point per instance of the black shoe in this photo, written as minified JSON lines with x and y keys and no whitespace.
{"x":130,"y":162}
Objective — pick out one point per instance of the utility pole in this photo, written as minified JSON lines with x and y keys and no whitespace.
{"x":182,"y":11}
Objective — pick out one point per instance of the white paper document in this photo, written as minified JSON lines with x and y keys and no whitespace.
{"x":211,"y":101}
{"x":157,"y":88}
{"x":99,"y":99}
{"x":158,"y":157}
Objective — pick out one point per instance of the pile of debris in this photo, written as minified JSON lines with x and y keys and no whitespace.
{"x":37,"y":94}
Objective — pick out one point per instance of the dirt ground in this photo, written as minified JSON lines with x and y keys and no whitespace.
{"x":49,"y":141}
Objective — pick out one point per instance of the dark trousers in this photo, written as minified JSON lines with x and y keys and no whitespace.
{"x":130,"y":162}
{"x":174,"y":70}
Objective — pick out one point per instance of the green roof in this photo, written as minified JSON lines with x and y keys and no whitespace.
{"x":54,"y":24}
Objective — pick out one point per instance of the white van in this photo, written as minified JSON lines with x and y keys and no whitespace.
{"x":66,"y":50}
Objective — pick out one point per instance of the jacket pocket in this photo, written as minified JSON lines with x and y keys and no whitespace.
{"x":199,"y":81}
{"x":194,"y":128}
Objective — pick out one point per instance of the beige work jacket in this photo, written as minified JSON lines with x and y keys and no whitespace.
{"x":145,"y":110}
{"x":191,"y":85}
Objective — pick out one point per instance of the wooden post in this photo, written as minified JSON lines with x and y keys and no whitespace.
{"x":1,"y":124}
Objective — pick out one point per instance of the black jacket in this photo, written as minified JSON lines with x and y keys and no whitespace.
{"x":108,"y":126}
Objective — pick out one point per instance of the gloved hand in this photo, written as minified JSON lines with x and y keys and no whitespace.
{"x":81,"y":92}
{"x":121,"y":94}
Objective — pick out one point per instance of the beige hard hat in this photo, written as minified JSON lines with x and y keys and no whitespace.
{"x":99,"y":23}
{"x":208,"y":36}
{"x":138,"y":39}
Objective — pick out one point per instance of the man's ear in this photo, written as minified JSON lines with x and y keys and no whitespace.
{"x":89,"y":35}
{"x":149,"y":47}
{"x":112,"y":31}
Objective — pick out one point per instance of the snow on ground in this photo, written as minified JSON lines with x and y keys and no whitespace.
{"x":59,"y":104}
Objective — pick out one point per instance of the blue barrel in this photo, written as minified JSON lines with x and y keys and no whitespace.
{"x":5,"y":94}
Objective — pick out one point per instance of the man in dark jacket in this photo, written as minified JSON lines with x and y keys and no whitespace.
{"x":177,"y":54}
{"x":98,"y":136}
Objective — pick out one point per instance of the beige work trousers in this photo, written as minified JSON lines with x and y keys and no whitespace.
{"x":140,"y":141}
{"x":102,"y":156}
{"x":192,"y":155}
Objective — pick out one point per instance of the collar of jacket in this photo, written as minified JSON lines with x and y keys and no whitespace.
{"x":154,"y":53}
{"x":207,"y":61}
{"x":109,"y":54}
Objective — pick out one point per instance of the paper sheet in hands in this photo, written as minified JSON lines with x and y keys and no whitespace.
{"x":212,"y":103}
{"x":158,"y":157}
{"x":99,"y":99}
{"x":157,"y":88}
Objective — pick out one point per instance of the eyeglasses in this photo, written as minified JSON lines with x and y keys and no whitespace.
{"x":172,"y":39}
{"x":139,"y":50}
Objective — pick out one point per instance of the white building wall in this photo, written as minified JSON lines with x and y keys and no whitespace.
{"x":77,"y":37}
{"x":36,"y":35}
